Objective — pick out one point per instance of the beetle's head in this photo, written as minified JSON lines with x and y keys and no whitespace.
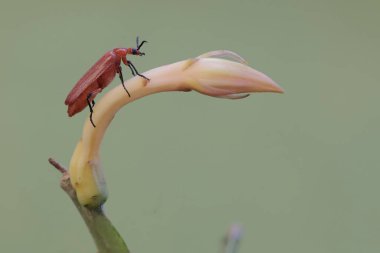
{"x":136,"y":51}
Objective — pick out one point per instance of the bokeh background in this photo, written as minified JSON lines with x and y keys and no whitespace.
{"x":299,"y":171}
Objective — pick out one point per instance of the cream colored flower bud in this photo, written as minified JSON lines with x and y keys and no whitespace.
{"x":221,"y":74}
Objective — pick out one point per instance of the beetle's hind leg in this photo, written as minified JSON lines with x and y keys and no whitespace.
{"x":91,"y":105}
{"x":119,"y":71}
{"x":91,"y":102}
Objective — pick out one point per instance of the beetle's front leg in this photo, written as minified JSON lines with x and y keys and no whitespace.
{"x":133,"y":69}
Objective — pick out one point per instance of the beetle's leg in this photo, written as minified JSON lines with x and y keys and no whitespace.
{"x":119,"y":70}
{"x":91,"y":106}
{"x":91,"y":102}
{"x":129,"y":65}
{"x":137,"y":73}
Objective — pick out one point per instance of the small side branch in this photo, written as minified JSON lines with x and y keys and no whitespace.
{"x":59,"y":167}
{"x":105,"y":235}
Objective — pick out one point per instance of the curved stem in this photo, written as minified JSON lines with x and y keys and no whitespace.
{"x":205,"y":74}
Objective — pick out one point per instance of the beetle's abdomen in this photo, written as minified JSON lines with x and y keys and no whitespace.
{"x":81,"y":102}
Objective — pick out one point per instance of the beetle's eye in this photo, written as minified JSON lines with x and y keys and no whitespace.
{"x":134,"y":51}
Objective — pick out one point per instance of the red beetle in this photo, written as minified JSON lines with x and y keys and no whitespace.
{"x":99,"y":76}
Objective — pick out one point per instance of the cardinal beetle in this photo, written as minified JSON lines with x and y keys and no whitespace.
{"x":99,"y":76}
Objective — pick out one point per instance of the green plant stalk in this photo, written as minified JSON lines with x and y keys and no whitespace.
{"x":105,"y":235}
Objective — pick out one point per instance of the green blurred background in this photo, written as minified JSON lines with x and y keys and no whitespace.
{"x":300,"y":171}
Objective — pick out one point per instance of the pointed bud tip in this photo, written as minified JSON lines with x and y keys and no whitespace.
{"x":277,"y":88}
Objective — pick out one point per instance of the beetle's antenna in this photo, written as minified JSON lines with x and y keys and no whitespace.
{"x":137,"y":41}
{"x":138,"y":48}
